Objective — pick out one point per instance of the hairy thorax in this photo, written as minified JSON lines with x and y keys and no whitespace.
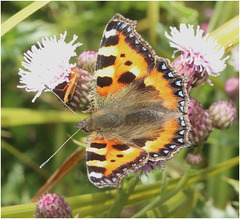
{"x":108,"y":121}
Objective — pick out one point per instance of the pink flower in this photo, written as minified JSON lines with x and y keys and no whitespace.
{"x":201,"y":56}
{"x":232,"y":88}
{"x":51,"y":205}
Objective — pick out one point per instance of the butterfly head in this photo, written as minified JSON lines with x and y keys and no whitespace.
{"x":83,"y":125}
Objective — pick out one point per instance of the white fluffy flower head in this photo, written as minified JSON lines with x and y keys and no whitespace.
{"x":48,"y":64}
{"x":200,"y":54}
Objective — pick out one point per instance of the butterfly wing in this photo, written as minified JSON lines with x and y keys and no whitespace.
{"x":108,"y":161}
{"x":123,"y":57}
{"x":171,"y":95}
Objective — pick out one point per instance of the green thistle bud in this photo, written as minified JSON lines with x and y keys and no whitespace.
{"x":200,"y":121}
{"x":223,"y":114}
{"x":51,"y":205}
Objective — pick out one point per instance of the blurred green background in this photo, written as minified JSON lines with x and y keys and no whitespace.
{"x":19,"y":180}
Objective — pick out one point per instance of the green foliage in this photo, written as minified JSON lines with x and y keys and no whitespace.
{"x":32,"y":132}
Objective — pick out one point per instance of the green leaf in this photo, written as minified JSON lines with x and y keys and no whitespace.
{"x":234,"y":183}
{"x":20,"y":116}
{"x":21,"y":15}
{"x":228,"y":34}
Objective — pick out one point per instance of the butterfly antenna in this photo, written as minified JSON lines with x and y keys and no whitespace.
{"x":43,"y":164}
{"x":62,"y":101}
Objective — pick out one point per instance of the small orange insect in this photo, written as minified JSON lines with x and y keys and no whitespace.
{"x":71,"y":86}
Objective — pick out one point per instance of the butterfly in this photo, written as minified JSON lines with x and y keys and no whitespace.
{"x":139,"y":106}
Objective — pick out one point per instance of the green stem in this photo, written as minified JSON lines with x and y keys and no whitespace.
{"x":21,"y":15}
{"x":153,"y":19}
{"x":90,"y":205}
{"x":161,"y":199}
{"x":122,"y":196}
{"x":164,"y":183}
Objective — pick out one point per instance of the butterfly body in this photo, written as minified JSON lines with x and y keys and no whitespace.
{"x":139,"y":107}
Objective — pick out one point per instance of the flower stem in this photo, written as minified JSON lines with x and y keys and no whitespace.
{"x":167,"y":195}
{"x":122,"y":196}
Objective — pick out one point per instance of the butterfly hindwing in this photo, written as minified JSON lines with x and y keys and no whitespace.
{"x":172,"y":95}
{"x":108,"y":161}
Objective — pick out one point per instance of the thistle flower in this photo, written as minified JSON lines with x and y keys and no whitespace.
{"x":151,"y":165}
{"x":51,"y":205}
{"x":81,"y":99}
{"x":194,"y":158}
{"x":232,"y":88}
{"x":200,"y":121}
{"x":48,"y":64}
{"x":201,"y":56}
{"x":223,"y":114}
{"x":87,"y":60}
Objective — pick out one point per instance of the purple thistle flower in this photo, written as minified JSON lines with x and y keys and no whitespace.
{"x":200,"y":121}
{"x":51,"y":205}
{"x":201,"y":56}
{"x":87,"y":60}
{"x":81,"y":98}
{"x":151,"y":166}
{"x":223,"y":114}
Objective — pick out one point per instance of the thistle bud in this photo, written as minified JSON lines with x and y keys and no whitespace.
{"x":194,"y":158}
{"x":223,"y":114}
{"x":200,"y":121}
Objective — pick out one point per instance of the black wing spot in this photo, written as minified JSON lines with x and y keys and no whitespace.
{"x":128,"y":63}
{"x":126,"y":78}
{"x":95,"y":156}
{"x":121,"y":147}
{"x":96,"y":169}
{"x":104,"y":81}
{"x":105,"y":61}
{"x":98,"y":145}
